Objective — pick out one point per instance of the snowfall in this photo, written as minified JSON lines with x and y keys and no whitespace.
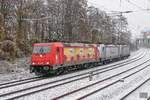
{"x":113,"y":92}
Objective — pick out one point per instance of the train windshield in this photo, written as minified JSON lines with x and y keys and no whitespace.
{"x":41,"y":49}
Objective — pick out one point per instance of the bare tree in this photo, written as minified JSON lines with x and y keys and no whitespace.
{"x":24,"y":22}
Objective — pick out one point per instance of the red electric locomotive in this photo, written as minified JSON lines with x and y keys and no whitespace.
{"x":57,"y":57}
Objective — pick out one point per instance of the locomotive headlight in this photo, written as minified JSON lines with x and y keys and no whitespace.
{"x":47,"y":63}
{"x":33,"y":63}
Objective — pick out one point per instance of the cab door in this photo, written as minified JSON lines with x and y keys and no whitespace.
{"x":57,"y":55}
{"x":59,"y":51}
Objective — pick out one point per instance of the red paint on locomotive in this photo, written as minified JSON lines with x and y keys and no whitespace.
{"x":58,"y":54}
{"x":46,"y":53}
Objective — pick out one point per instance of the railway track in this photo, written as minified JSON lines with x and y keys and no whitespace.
{"x":106,"y":86}
{"x":29,"y":80}
{"x":139,"y":86}
{"x":14,"y":92}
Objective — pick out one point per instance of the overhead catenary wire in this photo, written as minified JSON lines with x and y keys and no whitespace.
{"x":139,"y":7}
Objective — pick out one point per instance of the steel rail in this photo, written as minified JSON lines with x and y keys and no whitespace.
{"x":89,"y":94}
{"x":129,"y":93}
{"x":66,"y":94}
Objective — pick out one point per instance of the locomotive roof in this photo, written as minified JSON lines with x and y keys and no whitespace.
{"x":41,"y":44}
{"x":66,"y":44}
{"x":71,"y":44}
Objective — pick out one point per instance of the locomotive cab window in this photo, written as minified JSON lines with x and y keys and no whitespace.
{"x":41,"y":49}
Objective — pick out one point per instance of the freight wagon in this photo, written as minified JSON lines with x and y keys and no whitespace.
{"x":108,"y":52}
{"x":125,"y":51}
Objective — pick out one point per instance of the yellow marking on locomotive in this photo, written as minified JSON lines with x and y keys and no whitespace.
{"x":73,"y":53}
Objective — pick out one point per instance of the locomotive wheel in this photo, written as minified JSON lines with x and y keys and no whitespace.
{"x":104,"y":62}
{"x":59,"y":71}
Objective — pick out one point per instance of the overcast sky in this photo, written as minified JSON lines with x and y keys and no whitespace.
{"x":138,"y":21}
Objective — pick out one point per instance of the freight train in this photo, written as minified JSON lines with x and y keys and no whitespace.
{"x":57,"y":57}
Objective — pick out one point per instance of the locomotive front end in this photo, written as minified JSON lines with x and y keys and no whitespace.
{"x":40,"y":59}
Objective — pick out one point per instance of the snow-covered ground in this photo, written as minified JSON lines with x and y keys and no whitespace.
{"x":59,"y":90}
{"x":16,"y":70}
{"x":143,"y":89}
{"x":118,"y":90}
